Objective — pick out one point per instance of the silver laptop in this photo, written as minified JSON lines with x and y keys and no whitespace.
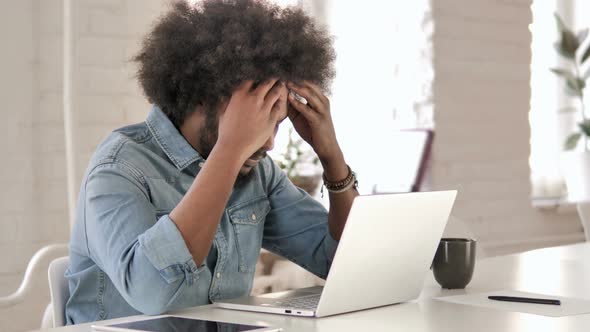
{"x":383,"y":256}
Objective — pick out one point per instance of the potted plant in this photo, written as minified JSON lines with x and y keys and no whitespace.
{"x":300,"y":164}
{"x":575,"y":50}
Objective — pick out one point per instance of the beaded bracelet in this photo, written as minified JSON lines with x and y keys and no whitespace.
{"x":341,"y":186}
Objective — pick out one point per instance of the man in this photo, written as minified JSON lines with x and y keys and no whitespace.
{"x":172,"y":212}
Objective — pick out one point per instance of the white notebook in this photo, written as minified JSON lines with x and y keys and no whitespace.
{"x":569,"y":306}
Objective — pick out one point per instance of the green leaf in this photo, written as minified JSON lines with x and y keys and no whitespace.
{"x":559,"y":49}
{"x":563,"y":73}
{"x":585,"y":55}
{"x":568,"y":44}
{"x":585,"y":126}
{"x":575,"y":86}
{"x":572,"y":141}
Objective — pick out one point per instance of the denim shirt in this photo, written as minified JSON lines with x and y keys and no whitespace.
{"x":128,"y":257}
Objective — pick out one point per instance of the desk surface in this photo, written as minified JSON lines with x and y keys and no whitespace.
{"x":563,"y":271}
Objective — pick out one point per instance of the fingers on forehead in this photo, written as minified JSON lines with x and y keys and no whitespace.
{"x":246,"y":85}
{"x":265,"y":86}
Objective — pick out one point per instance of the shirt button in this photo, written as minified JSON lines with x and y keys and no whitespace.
{"x":253,"y":216}
{"x":201,"y":164}
{"x":218,"y":275}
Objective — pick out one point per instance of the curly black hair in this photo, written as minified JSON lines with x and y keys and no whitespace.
{"x":198,"y":54}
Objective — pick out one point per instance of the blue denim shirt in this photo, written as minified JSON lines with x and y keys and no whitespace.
{"x":126,"y":255}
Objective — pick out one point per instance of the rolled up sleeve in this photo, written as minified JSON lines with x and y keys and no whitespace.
{"x":144,"y":255}
{"x":166,"y":250}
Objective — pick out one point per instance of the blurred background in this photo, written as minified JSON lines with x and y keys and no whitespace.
{"x":446,"y":94}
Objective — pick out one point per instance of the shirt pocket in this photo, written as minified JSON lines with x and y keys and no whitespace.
{"x":247,"y":220}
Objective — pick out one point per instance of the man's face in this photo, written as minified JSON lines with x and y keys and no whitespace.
{"x":210,"y":131}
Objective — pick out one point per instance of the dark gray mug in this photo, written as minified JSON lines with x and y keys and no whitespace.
{"x":454,"y":262}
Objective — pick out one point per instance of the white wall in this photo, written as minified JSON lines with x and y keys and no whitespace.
{"x":16,"y":92}
{"x":33,"y":200}
{"x":481,"y":97}
{"x":106,"y":95}
{"x":32,"y":208}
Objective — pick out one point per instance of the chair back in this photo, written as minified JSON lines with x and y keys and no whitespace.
{"x":59,"y":289}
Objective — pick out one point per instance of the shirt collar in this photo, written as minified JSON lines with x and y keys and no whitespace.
{"x":174,"y":145}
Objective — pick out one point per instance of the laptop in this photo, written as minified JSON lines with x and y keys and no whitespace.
{"x":383,"y":256}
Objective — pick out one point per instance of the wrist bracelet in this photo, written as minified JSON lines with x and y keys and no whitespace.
{"x":341,"y":186}
{"x":338,"y":184}
{"x":348,"y":186}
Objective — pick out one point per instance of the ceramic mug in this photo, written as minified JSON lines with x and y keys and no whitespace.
{"x":454,"y":262}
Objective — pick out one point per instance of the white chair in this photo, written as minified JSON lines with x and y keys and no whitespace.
{"x":28,"y":300}
{"x":58,"y":289}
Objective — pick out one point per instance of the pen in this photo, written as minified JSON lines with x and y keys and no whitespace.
{"x":525,"y":300}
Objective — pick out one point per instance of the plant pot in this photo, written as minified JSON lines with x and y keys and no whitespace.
{"x":575,"y":167}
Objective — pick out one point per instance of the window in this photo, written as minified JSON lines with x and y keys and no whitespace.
{"x":549,"y":126}
{"x":383,"y":79}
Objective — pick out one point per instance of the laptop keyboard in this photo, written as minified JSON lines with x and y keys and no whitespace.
{"x":306,"y":302}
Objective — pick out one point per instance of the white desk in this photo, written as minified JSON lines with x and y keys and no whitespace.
{"x":563,"y":271}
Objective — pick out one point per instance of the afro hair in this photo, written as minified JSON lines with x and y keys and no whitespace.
{"x":197,"y":54}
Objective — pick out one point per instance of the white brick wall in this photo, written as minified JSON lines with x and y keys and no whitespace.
{"x":481,"y":97}
{"x":32,"y":176}
{"x":107,"y":94}
{"x":17,"y":94}
{"x":33,"y":209}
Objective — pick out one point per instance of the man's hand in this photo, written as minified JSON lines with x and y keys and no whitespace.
{"x":313,"y":122}
{"x":249,"y":119}
{"x":251,"y":116}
